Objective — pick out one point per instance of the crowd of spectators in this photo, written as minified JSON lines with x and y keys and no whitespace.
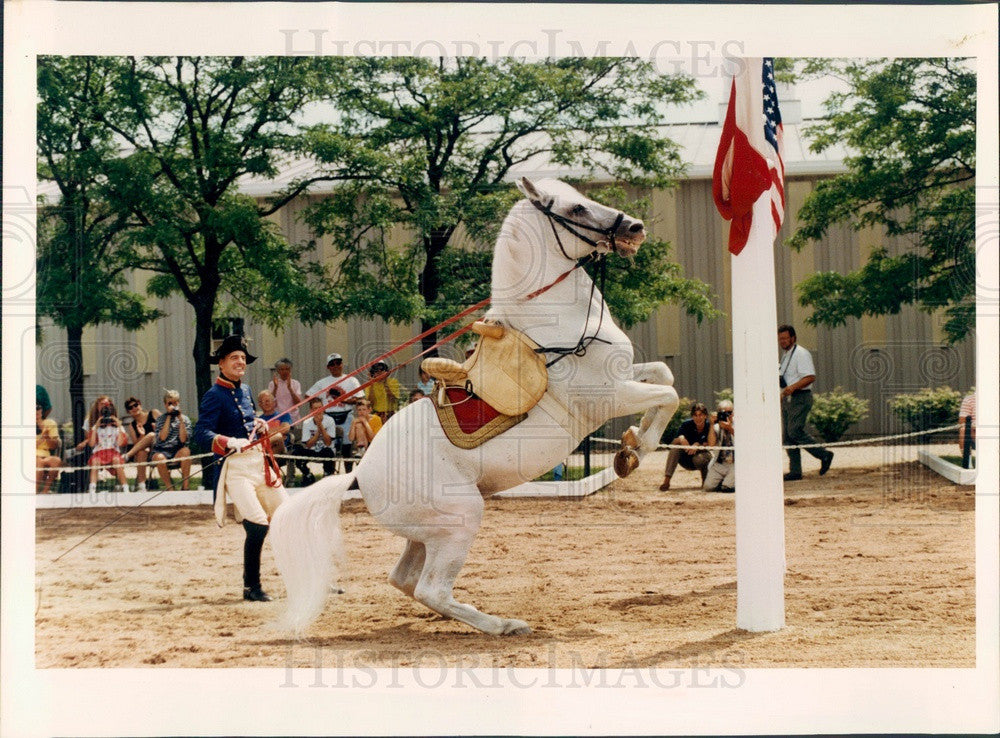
{"x":332,"y":432}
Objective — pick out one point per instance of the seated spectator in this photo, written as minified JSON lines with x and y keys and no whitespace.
{"x":696,"y":431}
{"x":319,"y":433}
{"x":106,"y":437}
{"x":967,"y":410}
{"x":417,"y":394}
{"x":384,"y":394}
{"x":721,"y":475}
{"x":173,"y":429}
{"x":425,"y":385}
{"x":46,"y":443}
{"x":42,"y":398}
{"x":141,"y":433}
{"x":280,"y":422}
{"x":90,"y":421}
{"x":364,"y":427}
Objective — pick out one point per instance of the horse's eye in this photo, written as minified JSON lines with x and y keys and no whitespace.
{"x":578,"y":210}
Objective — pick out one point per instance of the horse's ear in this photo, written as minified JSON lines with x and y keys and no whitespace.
{"x":527,"y":187}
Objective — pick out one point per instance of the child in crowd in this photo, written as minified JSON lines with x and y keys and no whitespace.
{"x":106,"y":437}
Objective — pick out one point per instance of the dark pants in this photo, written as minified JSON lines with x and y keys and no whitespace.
{"x":325,"y":455}
{"x":698,"y":460}
{"x":794,"y":411}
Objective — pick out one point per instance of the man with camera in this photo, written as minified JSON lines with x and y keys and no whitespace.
{"x":796,"y":375}
{"x":721,"y":476}
{"x":171,"y":442}
{"x":338,"y":384}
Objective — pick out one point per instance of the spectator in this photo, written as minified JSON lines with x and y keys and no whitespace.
{"x":364,"y":427}
{"x":797,"y":374}
{"x":93,"y":416}
{"x":42,"y":398}
{"x":319,"y":432}
{"x":106,"y":436}
{"x":173,"y":429}
{"x":967,"y":410}
{"x":141,"y":433}
{"x":46,"y":442}
{"x":425,"y":384}
{"x":277,"y":420}
{"x":384,"y":394}
{"x":721,"y":475}
{"x":696,"y":431}
{"x":225,"y":422}
{"x":417,"y":394}
{"x":338,"y":384}
{"x":287,"y":391}
{"x":287,"y":394}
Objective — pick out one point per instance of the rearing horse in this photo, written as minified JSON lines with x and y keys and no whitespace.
{"x":421,"y":487}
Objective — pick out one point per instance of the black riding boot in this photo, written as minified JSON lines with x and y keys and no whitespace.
{"x":251,"y":562}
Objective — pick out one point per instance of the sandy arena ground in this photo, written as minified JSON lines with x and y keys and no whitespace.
{"x":881,"y":573}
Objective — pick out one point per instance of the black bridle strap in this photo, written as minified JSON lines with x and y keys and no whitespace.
{"x":572,"y":225}
{"x":580,"y":349}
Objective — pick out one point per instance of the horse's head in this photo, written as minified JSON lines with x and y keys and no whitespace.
{"x":583,"y":225}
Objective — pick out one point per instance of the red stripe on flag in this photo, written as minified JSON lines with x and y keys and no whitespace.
{"x":740,"y":177}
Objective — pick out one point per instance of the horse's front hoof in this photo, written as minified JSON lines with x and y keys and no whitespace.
{"x":626,"y":462}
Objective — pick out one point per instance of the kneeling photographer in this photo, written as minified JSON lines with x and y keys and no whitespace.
{"x":721,"y":475}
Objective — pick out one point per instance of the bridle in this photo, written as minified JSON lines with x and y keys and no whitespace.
{"x":572,"y":225}
{"x":580,"y":349}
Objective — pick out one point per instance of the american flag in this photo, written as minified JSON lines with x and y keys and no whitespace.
{"x":749,"y":160}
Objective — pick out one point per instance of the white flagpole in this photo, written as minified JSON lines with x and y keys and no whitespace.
{"x":760,"y":511}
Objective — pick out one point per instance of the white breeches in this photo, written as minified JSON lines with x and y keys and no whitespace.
{"x":242,"y":481}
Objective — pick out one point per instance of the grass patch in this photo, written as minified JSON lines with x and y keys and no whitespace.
{"x":957,"y":460}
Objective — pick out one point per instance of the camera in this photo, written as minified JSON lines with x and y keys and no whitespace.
{"x":174,"y":413}
{"x":106,"y":415}
{"x":723,"y":415}
{"x":335,"y":392}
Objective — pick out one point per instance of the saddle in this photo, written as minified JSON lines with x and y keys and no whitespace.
{"x":504,"y":370}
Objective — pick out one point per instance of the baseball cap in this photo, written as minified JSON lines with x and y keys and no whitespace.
{"x":332,"y":358}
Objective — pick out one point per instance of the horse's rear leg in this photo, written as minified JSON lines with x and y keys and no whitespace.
{"x":407,"y":570}
{"x":444,"y":556}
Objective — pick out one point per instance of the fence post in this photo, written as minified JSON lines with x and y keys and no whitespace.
{"x":586,"y":456}
{"x":967,"y":446}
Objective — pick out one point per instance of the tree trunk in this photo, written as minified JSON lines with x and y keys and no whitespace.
{"x":430,"y":279}
{"x":203,"y":311}
{"x":77,"y":403}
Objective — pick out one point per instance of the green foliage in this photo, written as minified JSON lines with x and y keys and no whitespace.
{"x":834,"y":412}
{"x":427,"y":146}
{"x":674,"y":426}
{"x":928,"y":408}
{"x":724,"y":394}
{"x":909,"y":125}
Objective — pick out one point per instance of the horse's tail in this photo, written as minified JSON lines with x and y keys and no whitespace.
{"x":308,"y":548}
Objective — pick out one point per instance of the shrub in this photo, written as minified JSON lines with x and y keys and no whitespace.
{"x":928,"y":408}
{"x":723,"y":394}
{"x":682,"y":414}
{"x":834,"y":412}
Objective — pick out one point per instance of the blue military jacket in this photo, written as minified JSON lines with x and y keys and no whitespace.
{"x":226,"y":411}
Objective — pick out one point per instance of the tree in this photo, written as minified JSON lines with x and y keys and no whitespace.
{"x":910,"y":127}
{"x":429,"y":145}
{"x":81,"y":258}
{"x":193,"y":127}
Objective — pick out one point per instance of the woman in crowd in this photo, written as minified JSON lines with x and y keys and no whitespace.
{"x":363,"y":429}
{"x":106,"y":436}
{"x":46,"y":441}
{"x":141,"y":432}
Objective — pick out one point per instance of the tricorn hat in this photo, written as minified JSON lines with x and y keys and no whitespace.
{"x":229,"y":344}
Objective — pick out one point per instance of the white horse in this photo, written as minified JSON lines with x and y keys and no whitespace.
{"x":421,"y":487}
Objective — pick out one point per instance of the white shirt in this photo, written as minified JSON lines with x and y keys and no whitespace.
{"x":345,"y":384}
{"x":795,"y":364}
{"x":309,"y":428}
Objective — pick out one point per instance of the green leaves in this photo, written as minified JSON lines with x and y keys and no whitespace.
{"x":833,"y":413}
{"x":910,"y":127}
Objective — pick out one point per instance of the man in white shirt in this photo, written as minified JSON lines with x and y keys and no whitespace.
{"x":797,"y":374}
{"x":319,"y":435}
{"x":341,"y":412}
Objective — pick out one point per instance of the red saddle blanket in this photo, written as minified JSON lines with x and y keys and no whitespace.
{"x":468,"y":420}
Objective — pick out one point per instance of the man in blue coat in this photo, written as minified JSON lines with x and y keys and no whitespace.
{"x":226,"y":424}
